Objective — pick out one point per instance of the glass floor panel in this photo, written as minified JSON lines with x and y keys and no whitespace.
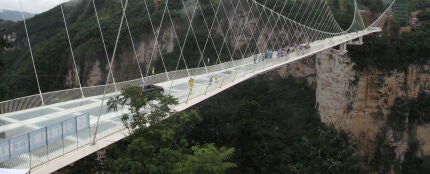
{"x":52,"y":121}
{"x":32,"y":114}
{"x":107,"y":96}
{"x":76,"y":104}
{"x":95,"y":111}
{"x":2,"y":122}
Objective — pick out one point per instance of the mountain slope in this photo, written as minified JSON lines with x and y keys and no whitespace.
{"x":15,"y":16}
{"x":52,"y":53}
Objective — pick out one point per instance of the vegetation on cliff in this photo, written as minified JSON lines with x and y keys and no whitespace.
{"x":273,"y":127}
{"x":394,"y":50}
{"x":405,"y":116}
{"x":52,"y":55}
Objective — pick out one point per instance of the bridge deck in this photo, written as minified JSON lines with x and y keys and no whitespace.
{"x":71,"y":147}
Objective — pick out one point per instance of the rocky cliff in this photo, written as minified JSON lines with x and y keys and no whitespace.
{"x":359,"y":102}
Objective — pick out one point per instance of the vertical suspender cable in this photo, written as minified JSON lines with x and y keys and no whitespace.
{"x":277,"y":20}
{"x":209,"y":35}
{"x":231,"y":28}
{"x":104,"y":43}
{"x":71,"y":49}
{"x":156,"y":35}
{"x":31,"y":53}
{"x":110,"y":72}
{"x":225,"y":35}
{"x":190,"y":20}
{"x":132,"y":44}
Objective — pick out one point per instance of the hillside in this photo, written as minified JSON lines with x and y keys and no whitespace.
{"x":15,"y":16}
{"x":52,"y":54}
{"x":53,"y":58}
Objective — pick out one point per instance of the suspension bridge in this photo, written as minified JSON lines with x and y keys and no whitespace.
{"x":49,"y":130}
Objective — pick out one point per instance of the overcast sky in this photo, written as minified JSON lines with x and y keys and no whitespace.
{"x":32,"y":6}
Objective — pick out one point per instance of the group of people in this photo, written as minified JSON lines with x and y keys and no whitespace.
{"x":301,"y":48}
{"x":282,"y":52}
{"x":263,"y":56}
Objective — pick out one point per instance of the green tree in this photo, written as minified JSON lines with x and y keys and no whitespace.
{"x":206,"y":159}
{"x":320,"y":157}
{"x":164,"y":148}
{"x":144,"y":106}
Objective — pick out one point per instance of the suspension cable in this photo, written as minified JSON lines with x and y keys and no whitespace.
{"x":277,"y":20}
{"x":156,"y":35}
{"x":231,"y":28}
{"x":110,"y":72}
{"x":31,"y":53}
{"x":209,"y":35}
{"x":192,"y":28}
{"x":254,"y":27}
{"x":222,"y":33}
{"x":104,"y":43}
{"x":71,"y":49}
{"x":133,"y":45}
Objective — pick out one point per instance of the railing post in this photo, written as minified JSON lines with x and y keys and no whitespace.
{"x":62,"y":135}
{"x":188,"y":96}
{"x":77,"y":134}
{"x":235,"y":75}
{"x":209,"y":83}
{"x":29,"y":148}
{"x":222,"y":82}
{"x":47,"y":144}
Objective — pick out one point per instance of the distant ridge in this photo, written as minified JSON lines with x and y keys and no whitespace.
{"x":15,"y":16}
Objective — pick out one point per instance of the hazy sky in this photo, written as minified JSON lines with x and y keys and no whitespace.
{"x":32,"y":6}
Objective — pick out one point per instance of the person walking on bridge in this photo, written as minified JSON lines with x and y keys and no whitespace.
{"x":191,"y":83}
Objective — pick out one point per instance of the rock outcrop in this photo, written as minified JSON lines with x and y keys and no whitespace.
{"x":360,"y":101}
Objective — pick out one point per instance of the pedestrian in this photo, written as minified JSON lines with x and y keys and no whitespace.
{"x":153,"y":71}
{"x":191,"y":83}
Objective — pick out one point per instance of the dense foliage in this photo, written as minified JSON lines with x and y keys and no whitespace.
{"x":419,"y":5}
{"x":343,"y":11}
{"x":275,"y":128}
{"x":52,"y":55}
{"x":145,"y":107}
{"x":272,"y":127}
{"x":394,"y":50}
{"x":405,"y":116}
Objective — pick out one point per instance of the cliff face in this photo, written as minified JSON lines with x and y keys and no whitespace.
{"x":359,"y":102}
{"x":94,"y":70}
{"x":237,"y":29}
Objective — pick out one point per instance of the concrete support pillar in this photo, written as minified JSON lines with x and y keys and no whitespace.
{"x":342,"y":47}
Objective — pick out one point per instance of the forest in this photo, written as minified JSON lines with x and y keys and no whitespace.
{"x":269,"y":124}
{"x":393,"y":50}
{"x":265,"y":125}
